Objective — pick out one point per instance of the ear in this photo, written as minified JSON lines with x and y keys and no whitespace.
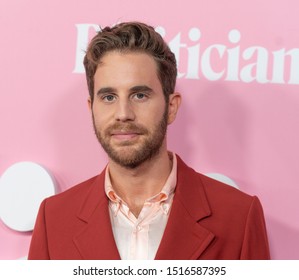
{"x":175,"y":100}
{"x":89,"y":103}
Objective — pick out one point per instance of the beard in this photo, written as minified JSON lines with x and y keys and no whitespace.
{"x":130,"y":154}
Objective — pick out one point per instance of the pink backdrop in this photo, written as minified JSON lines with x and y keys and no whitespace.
{"x":239,"y":78}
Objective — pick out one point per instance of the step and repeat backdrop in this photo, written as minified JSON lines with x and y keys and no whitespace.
{"x":238,"y":75}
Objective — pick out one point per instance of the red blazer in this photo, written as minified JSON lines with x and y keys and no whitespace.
{"x":208,"y":220}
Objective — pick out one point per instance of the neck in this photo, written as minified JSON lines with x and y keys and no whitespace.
{"x":136,"y":185}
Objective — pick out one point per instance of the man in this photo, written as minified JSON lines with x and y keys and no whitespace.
{"x":147,"y":203}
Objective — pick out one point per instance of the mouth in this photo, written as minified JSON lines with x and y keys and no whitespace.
{"x":124,"y":136}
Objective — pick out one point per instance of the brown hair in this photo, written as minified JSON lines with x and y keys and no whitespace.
{"x":132,"y":37}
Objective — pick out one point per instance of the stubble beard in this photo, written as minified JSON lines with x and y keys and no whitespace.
{"x":131,"y":155}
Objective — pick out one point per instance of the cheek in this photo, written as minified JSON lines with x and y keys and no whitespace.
{"x":101,"y":115}
{"x":152,"y":117}
{"x":98,"y":121}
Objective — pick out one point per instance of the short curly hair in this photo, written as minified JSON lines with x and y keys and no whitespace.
{"x":132,"y":37}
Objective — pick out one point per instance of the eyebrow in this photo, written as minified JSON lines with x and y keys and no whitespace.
{"x":141,"y":88}
{"x":105,"y":90}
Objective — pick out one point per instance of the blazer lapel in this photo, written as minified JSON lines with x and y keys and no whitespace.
{"x":184,"y":238}
{"x":94,"y":238}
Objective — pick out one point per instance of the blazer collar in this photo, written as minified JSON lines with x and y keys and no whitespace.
{"x":184,"y":237}
{"x":94,"y":238}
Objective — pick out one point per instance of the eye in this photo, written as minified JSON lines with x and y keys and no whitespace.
{"x":108,"y":98}
{"x":140,"y":96}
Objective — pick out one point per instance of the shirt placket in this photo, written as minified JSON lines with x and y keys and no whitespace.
{"x":140,"y":233}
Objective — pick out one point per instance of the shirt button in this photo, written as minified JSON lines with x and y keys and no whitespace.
{"x":165,"y":208}
{"x":138,"y":228}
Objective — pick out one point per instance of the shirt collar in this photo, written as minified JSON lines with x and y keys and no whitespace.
{"x":165,"y":194}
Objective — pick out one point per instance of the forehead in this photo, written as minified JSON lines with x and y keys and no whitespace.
{"x":117,"y":54}
{"x":127,"y":63}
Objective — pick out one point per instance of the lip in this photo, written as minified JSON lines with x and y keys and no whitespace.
{"x":124,"y":136}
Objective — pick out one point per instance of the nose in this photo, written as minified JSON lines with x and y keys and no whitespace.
{"x":124,"y":111}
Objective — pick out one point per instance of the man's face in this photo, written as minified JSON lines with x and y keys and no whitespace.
{"x":129,"y":111}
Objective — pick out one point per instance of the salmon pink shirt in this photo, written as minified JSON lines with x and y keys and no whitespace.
{"x":139,"y":238}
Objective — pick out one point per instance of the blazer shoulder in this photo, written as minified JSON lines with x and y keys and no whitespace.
{"x":74,"y":196}
{"x":212,"y":185}
{"x":76,"y":190}
{"x":227,"y":199}
{"x":226,"y":193}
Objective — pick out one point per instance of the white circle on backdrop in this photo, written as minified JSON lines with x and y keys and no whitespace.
{"x":23,"y":186}
{"x":161,"y":31}
{"x":194,"y":34}
{"x":234,"y":36}
{"x":224,"y":179}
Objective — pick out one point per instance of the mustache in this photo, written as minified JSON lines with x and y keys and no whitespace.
{"x":127,"y":127}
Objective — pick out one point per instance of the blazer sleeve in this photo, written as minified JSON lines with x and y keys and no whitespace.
{"x":39,"y":246}
{"x":255,"y":244}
